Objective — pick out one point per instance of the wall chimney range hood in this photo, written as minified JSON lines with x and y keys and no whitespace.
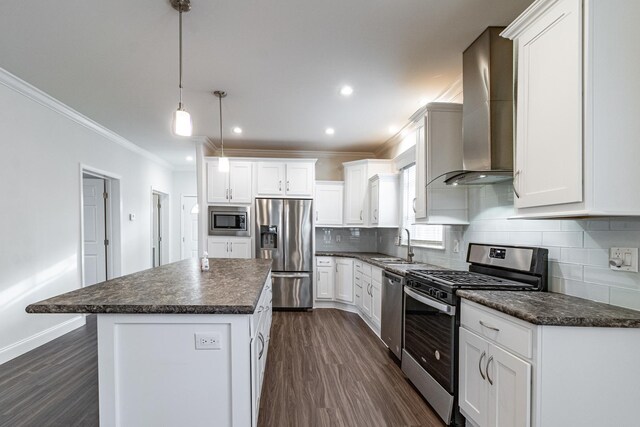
{"x":487,"y":112}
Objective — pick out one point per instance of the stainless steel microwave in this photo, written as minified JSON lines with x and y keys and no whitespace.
{"x":229,"y":221}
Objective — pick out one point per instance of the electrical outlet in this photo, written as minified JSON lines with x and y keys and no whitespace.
{"x":623,"y":259}
{"x":208,"y":341}
{"x":456,"y":246}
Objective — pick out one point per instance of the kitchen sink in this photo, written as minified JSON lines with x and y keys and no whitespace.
{"x":391,"y":260}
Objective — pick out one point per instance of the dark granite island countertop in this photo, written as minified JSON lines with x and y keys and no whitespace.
{"x":553,"y":309}
{"x":232,"y":286}
{"x":400,"y":269}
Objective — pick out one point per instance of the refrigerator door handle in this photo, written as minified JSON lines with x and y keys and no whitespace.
{"x":290,"y":275}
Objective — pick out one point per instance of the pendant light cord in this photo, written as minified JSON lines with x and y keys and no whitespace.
{"x":221,"y":138}
{"x":180,"y":85}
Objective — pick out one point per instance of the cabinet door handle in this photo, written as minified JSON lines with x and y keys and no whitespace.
{"x":226,"y":194}
{"x":227,"y":246}
{"x":230,"y":193}
{"x":493,"y":328}
{"x":375,"y":214}
{"x":287,"y":185}
{"x":280,"y":185}
{"x":261,"y":338}
{"x":360,"y":214}
{"x":316,"y":216}
{"x":487,"y":370}
{"x":515,"y":190}
{"x":484,"y":353}
{"x":231,"y":244}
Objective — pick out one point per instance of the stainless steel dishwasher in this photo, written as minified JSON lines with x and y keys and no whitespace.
{"x":391,"y":329}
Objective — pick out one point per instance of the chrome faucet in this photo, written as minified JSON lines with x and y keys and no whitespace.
{"x":410,"y":253}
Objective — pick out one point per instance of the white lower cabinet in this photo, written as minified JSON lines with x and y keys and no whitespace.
{"x":344,"y":280}
{"x":260,"y":337}
{"x":229,"y":247}
{"x":325,"y":278}
{"x":517,"y":374}
{"x":495,"y":385}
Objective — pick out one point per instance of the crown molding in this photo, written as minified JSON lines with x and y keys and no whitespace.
{"x":522,"y":22}
{"x":20,"y":86}
{"x":265,"y":152}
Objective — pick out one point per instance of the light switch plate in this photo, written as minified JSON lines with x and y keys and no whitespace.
{"x":623,"y":259}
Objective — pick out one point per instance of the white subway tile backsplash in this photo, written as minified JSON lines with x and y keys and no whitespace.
{"x":625,"y":298}
{"x":613,"y":238}
{"x":580,"y":289}
{"x":606,"y":276}
{"x":570,"y":239}
{"x":565,"y":271}
{"x":525,"y":238}
{"x":625,"y":224}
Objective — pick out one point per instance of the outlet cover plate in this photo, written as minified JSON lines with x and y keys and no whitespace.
{"x":629,"y":256}
{"x":208,"y":341}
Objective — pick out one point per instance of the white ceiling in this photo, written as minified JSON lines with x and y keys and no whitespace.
{"x":281,"y":61}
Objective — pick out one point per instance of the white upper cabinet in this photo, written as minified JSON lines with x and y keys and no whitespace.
{"x":231,"y":187}
{"x":438,"y":151}
{"x":576,"y":122}
{"x":271,"y":178}
{"x":286,"y":179}
{"x":356,"y":184}
{"x":383,"y":208}
{"x":328,"y":203}
{"x":229,"y":247}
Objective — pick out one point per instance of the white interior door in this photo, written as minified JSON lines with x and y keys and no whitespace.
{"x":189,"y":236}
{"x":93,"y":210}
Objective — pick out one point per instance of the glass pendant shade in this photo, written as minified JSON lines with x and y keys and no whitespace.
{"x":223,"y":164}
{"x":181,"y":124}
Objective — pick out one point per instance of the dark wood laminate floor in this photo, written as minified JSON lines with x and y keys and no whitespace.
{"x":325,"y":368}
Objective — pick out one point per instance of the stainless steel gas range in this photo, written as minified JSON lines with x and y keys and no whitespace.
{"x":432,"y":315}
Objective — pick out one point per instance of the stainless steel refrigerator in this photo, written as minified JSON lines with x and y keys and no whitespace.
{"x":284,"y":232}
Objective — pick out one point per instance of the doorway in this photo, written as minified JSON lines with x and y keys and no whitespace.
{"x":100,"y":227}
{"x":189,"y":227}
{"x":159,"y":228}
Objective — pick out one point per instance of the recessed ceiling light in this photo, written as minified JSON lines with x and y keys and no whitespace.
{"x":237,"y":130}
{"x":189,"y":159}
{"x":346,"y":90}
{"x":329,"y":131}
{"x":393,"y":130}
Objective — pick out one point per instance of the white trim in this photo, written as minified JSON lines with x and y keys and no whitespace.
{"x":266,"y":154}
{"x":406,"y":158}
{"x":22,"y":87}
{"x":182,"y":237}
{"x":36,"y":340}
{"x":530,"y":15}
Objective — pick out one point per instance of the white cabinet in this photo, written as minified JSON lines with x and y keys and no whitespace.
{"x":368,"y":279}
{"x":325,"y":278}
{"x":366,"y":296}
{"x":376,"y":302}
{"x":438,"y":151}
{"x":495,"y":385}
{"x":328,"y":202}
{"x":344,"y":280}
{"x":356,"y":183}
{"x":260,"y":338}
{"x":575,"y":123}
{"x":285,"y":179}
{"x":233,"y":186}
{"x":229,"y":247}
{"x":383,"y":209}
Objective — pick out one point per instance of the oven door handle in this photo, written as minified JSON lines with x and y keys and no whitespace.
{"x":446,"y":309}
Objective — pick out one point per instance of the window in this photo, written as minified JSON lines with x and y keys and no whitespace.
{"x":421,"y":234}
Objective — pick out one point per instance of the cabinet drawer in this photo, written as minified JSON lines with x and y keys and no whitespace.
{"x":511,"y":334}
{"x":362,"y":267}
{"x":376,"y":274}
{"x":357,"y":265}
{"x":324,"y":261}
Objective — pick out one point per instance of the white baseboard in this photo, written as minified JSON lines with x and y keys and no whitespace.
{"x":34,"y":341}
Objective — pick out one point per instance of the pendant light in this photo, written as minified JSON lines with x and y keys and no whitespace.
{"x":181,"y":124}
{"x":223,"y":163}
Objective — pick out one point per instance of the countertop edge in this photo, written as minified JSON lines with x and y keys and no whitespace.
{"x":548,"y":320}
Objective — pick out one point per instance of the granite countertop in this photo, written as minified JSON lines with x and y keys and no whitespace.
{"x":232,"y":286}
{"x":552,"y":309}
{"x":400,"y":269}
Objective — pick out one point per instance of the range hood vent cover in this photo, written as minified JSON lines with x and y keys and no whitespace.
{"x":487,"y":113}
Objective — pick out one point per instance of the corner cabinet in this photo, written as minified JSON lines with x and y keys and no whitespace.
{"x":438,"y":151}
{"x":576,"y":125}
{"x":232,"y":187}
{"x":294,"y":178}
{"x":328,"y":203}
{"x":356,"y":185}
{"x":344,"y":280}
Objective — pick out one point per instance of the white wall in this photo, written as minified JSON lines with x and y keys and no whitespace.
{"x":40,"y":154}
{"x":578,"y":249}
{"x":184,"y":183}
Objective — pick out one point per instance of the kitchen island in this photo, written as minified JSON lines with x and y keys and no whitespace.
{"x":177,"y":346}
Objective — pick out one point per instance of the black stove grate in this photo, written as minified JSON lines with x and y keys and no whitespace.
{"x":455,"y":278}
